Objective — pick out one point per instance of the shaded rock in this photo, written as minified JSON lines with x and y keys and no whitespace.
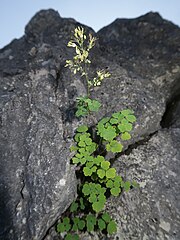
{"x":153,"y":210}
{"x":37,"y":110}
{"x":148,"y":46}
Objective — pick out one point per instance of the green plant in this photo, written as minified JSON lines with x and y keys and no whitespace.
{"x":98,"y":180}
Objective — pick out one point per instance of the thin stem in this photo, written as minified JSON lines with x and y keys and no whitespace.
{"x":87,"y":80}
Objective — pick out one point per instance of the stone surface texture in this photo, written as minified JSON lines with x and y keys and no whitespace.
{"x":37,"y":124}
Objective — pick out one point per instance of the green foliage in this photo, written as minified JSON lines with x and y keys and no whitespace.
{"x":95,"y":195}
{"x":98,"y":179}
{"x":64,"y":226}
{"x":86,"y":105}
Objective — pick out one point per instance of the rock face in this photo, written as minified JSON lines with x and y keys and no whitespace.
{"x":153,"y":210}
{"x":37,"y":123}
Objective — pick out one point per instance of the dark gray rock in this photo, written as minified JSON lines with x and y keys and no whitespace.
{"x":37,"y":109}
{"x":153,"y":210}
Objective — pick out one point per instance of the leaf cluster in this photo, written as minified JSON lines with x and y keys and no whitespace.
{"x":86,"y":106}
{"x":118,"y":125}
{"x":89,"y":223}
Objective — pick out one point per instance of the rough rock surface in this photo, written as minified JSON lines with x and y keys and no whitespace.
{"x":153,"y":210}
{"x":37,"y":108}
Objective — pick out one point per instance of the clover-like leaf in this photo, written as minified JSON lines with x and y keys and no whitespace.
{"x":75,"y":160}
{"x":114,"y":146}
{"x":101,"y":224}
{"x":114,"y":121}
{"x":126,"y":112}
{"x":90,"y":222}
{"x":125,"y":136}
{"x":102,"y":198}
{"x":111,"y":173}
{"x":64,"y":226}
{"x":112,"y":227}
{"x":93,"y":198}
{"x":74,"y":207}
{"x":86,"y":189}
{"x":98,"y":160}
{"x":98,"y":206}
{"x":131,"y":118}
{"x":115,"y":191}
{"x":105,"y":165}
{"x":108,"y":134}
{"x":81,"y":112}
{"x":101,"y":173}
{"x":94,"y":105}
{"x":106,"y":217}
{"x":87,"y":171}
{"x":109,"y":184}
{"x":81,"y":224}
{"x":82,"y":128}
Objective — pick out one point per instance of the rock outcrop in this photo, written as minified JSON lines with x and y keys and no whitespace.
{"x":37,"y":124}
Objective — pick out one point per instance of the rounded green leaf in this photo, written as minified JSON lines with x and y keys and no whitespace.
{"x":112,"y":227}
{"x":90,"y":226}
{"x":111,"y":173}
{"x":109,"y":184}
{"x":89,"y":164}
{"x":93,"y":169}
{"x":108,"y":134}
{"x":94,"y":105}
{"x":128,"y":127}
{"x":118,"y":179}
{"x":82,"y":128}
{"x":131,"y":118}
{"x":101,"y":224}
{"x":114,"y":121}
{"x":125,"y":136}
{"x":105,"y":165}
{"x":102,"y":198}
{"x":126,"y":112}
{"x":81,"y":144}
{"x":75,"y":160}
{"x":82,"y":160}
{"x":106,"y":217}
{"x":115,"y":191}
{"x":86,"y":189}
{"x":91,"y":218}
{"x":122,"y":127}
{"x":81,"y":224}
{"x":101,"y":173}
{"x":92,"y":198}
{"x":98,"y":160}
{"x":61,"y":228}
{"x":74,"y":207}
{"x":87,"y":171}
{"x":88,"y":141}
{"x":98,"y":206}
{"x":114,"y":147}
{"x":77,"y":137}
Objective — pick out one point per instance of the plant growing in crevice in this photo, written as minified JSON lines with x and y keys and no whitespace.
{"x":98,"y":179}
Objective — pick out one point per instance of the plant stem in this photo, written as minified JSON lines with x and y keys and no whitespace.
{"x":87,"y":80}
